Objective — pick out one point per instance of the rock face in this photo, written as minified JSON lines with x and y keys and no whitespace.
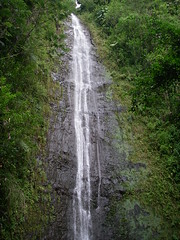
{"x":61,"y":161}
{"x":111,"y":174}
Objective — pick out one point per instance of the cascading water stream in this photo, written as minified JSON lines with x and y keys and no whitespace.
{"x":82,"y":82}
{"x":81,"y":156}
{"x":99,"y":163}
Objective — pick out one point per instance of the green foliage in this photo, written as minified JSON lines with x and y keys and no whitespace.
{"x":141,"y":48}
{"x":145,"y":37}
{"x":30,"y":34}
{"x":87,"y":5}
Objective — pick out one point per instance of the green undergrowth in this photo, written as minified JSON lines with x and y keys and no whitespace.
{"x":153,"y":187}
{"x":30,"y":34}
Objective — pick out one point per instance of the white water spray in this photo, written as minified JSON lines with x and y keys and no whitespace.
{"x":77,"y":4}
{"x":82,"y":191}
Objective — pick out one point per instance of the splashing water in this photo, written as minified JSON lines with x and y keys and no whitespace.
{"x":82,"y":81}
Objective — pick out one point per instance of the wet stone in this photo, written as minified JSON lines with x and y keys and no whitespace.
{"x":61,"y":157}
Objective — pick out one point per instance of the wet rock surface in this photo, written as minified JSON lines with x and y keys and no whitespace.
{"x":61,"y":150}
{"x":61,"y":163}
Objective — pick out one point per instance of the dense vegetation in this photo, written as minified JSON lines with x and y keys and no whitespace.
{"x":30,"y":33}
{"x":139,"y":43}
{"x":144,"y":39}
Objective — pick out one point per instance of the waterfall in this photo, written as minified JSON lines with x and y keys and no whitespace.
{"x":82,"y":82}
{"x":77,"y":4}
{"x":99,"y":163}
{"x":81,"y":157}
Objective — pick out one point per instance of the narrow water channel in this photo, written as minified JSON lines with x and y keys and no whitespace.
{"x":82,"y":82}
{"x":93,"y":157}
